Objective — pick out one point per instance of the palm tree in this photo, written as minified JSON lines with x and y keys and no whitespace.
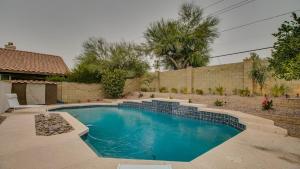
{"x":259,"y":72}
{"x":184,"y":41}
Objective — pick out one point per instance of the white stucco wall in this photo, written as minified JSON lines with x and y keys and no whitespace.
{"x":5,"y":87}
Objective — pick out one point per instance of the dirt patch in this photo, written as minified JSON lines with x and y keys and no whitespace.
{"x":285,"y":117}
{"x":2,"y":118}
{"x":51,"y":124}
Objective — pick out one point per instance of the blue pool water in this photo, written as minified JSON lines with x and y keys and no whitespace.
{"x":138,"y":134}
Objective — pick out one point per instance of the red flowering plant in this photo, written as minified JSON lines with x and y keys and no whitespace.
{"x":267,"y":104}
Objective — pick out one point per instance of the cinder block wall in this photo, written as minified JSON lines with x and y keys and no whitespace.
{"x":294,"y":85}
{"x":132,"y":85}
{"x":69,"y":92}
{"x":75,"y":92}
{"x":173,"y":79}
{"x":229,"y":76}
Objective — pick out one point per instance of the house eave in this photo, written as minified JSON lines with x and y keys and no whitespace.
{"x":31,"y":72}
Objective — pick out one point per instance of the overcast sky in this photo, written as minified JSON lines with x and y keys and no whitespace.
{"x":60,"y":26}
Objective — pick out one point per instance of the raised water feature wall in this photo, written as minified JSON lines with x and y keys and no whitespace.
{"x":175,"y":108}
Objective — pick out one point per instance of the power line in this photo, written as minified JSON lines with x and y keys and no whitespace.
{"x":231,"y":7}
{"x":246,"y":51}
{"x":252,"y":50}
{"x":215,"y":3}
{"x":228,"y":7}
{"x":235,"y":7}
{"x":257,"y":21}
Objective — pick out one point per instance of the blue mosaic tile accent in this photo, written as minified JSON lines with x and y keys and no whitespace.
{"x":175,"y":108}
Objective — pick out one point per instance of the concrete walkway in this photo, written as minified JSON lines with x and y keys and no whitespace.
{"x":261,"y":146}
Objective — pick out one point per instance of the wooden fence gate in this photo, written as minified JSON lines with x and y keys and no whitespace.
{"x":20,"y":89}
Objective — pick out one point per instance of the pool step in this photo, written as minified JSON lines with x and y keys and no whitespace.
{"x":194,"y":105}
{"x":256,"y":119}
{"x":266,"y":128}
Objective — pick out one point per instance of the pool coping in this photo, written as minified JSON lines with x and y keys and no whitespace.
{"x":249,"y":121}
{"x":237,"y":151}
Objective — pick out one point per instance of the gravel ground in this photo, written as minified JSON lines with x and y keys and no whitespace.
{"x":2,"y":118}
{"x":282,"y":116}
{"x":51,"y":124}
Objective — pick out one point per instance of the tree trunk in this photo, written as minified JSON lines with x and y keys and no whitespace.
{"x":174,"y":62}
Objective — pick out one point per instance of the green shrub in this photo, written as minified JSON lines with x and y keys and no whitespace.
{"x":140,"y":95}
{"x":113,"y":82}
{"x":56,"y":78}
{"x":247,"y":92}
{"x":144,"y":89}
{"x":190,"y":100}
{"x":219,"y":102}
{"x":85,"y":73}
{"x":183,"y":90}
{"x":174,"y":90}
{"x":277,"y":90}
{"x":244,"y":92}
{"x":199,"y":91}
{"x":151,"y":89}
{"x":152,"y":96}
{"x":235,"y":91}
{"x":220,"y":90}
{"x":163,"y":90}
{"x":210,"y":91}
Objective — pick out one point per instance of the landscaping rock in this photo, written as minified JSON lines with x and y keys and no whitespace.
{"x":51,"y":124}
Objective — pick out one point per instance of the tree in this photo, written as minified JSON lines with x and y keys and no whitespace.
{"x":259,"y":71}
{"x":285,"y":60}
{"x":99,"y":56}
{"x":128,"y":57}
{"x":85,"y":73}
{"x":184,"y":41}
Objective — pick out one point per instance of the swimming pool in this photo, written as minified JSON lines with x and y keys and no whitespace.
{"x":129,"y":132}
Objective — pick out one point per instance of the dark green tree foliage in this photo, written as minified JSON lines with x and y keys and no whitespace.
{"x":99,"y":55}
{"x":85,"y":73}
{"x":128,"y":57}
{"x":184,"y":41}
{"x":285,"y":60}
{"x":55,"y":78}
{"x":121,"y":55}
{"x":113,"y":82}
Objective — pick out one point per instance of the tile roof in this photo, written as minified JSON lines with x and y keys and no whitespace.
{"x":29,"y":62}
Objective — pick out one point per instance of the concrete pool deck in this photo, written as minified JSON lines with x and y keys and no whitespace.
{"x":262,"y":145}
